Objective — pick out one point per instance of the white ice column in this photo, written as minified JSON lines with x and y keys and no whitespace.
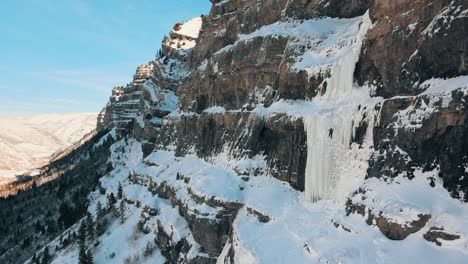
{"x":328,"y":140}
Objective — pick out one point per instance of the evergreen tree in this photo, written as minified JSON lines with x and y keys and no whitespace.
{"x":38,"y":260}
{"x":90,"y":226}
{"x":99,"y":212}
{"x":111,"y":202}
{"x":119,"y":191}
{"x":141,"y":222}
{"x":82,"y":233}
{"x":46,"y":256}
{"x":150,"y":185}
{"x":82,"y":256}
{"x":37,"y":227}
{"x":122,"y":212}
{"x":99,"y":229}
{"x":89,"y":257}
{"x":67,"y":215}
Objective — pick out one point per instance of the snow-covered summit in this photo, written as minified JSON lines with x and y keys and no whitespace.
{"x":190,"y":28}
{"x":184,"y":35}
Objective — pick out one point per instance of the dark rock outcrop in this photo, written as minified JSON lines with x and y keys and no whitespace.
{"x":247,"y":135}
{"x":210,"y":233}
{"x":307,"y":9}
{"x":432,"y":139}
{"x":397,"y":231}
{"x":388,"y":227}
{"x":413,"y":41}
{"x":435,"y":234}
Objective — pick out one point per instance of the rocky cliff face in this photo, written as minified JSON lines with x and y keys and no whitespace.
{"x":293,"y":131}
{"x":428,"y":40}
{"x":151,"y":94}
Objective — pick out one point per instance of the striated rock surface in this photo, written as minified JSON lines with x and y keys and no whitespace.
{"x":426,"y":131}
{"x":151,"y":94}
{"x":428,"y":39}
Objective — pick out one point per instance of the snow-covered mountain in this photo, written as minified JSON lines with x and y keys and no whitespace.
{"x":27,"y":143}
{"x":284,"y":131}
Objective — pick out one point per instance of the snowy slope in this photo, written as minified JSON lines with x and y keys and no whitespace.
{"x":27,"y":142}
{"x":298,"y":231}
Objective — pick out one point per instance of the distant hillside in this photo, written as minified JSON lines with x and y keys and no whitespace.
{"x":27,"y":142}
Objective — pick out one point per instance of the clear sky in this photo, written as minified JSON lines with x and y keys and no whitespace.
{"x":62,"y":56}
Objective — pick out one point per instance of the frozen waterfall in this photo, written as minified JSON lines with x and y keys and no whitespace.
{"x":329,"y":131}
{"x":328,"y":139}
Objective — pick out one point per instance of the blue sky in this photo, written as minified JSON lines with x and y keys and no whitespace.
{"x":63,"y":56}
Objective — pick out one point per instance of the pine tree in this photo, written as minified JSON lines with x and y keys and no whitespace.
{"x":38,"y":226}
{"x":150,"y":185}
{"x":89,"y":257}
{"x":45,"y":256}
{"x":82,"y":233}
{"x":82,"y":256}
{"x":90,"y":226}
{"x":111,"y":202}
{"x":99,"y":229}
{"x":122,"y":212}
{"x":142,"y":222}
{"x":119,"y":191}
{"x":99,"y":212}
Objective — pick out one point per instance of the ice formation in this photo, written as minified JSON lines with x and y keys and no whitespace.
{"x":329,"y":131}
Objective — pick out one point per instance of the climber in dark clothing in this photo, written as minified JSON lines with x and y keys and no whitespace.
{"x":330,"y":132}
